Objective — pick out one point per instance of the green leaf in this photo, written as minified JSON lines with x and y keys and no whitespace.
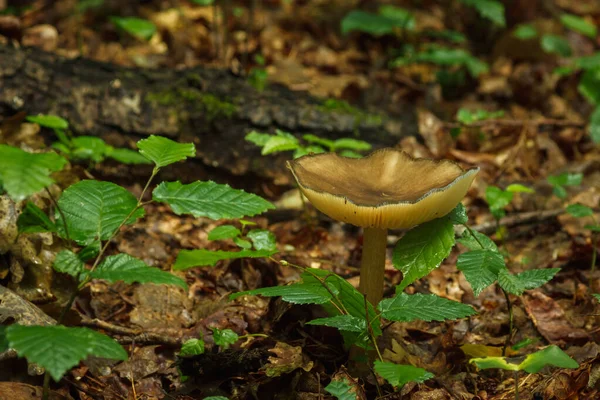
{"x":566,"y":179}
{"x":90,"y":251}
{"x":350,"y":154}
{"x":446,"y":57}
{"x":422,"y":249}
{"x":200,"y":258}
{"x":593,"y":228}
{"x":406,"y":308}
{"x":404,"y":18}
{"x":224,"y":337}
{"x":551,"y":355}
{"x":126,"y":156}
{"x":94,"y":210}
{"x":535,"y":278}
{"x":579,"y":210}
{"x":224,"y":232}
{"x":373,"y":24}
{"x":137,"y":27}
{"x":525,"y":31}
{"x":163,"y":151}
{"x":123,"y":267}
{"x":477,"y":241}
{"x":596,"y":296}
{"x":556,"y":44}
{"x":206,"y":3}
{"x":494,"y":362}
{"x":23,"y":174}
{"x":497,"y":198}
{"x":259,"y":139}
{"x":242,"y":243}
{"x":400,"y":375}
{"x":69,"y":263}
{"x":342,"y":322}
{"x":589,"y":85}
{"x":209,"y":199}
{"x":351,"y":144}
{"x":510,"y":282}
{"x":277,"y":144}
{"x":481,"y":268}
{"x":490,"y":9}
{"x":595,"y":125}
{"x":588,"y":62}
{"x":342,"y":390}
{"x":458,"y":216}
{"x":518,"y":188}
{"x":465,"y":116}
{"x":192,"y":347}
{"x":48,"y":121}
{"x":32,"y":219}
{"x":88,"y":148}
{"x":296,"y":293}
{"x":58,"y":348}
{"x":579,"y":24}
{"x":328,"y":144}
{"x":262,"y":239}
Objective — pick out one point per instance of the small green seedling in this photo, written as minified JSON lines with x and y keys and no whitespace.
{"x":259,"y":239}
{"x":499,"y":199}
{"x":559,"y":182}
{"x":467,"y":117}
{"x":258,"y":76}
{"x":283,"y":141}
{"x":445,"y":57}
{"x":489,"y":9}
{"x":532,"y":364}
{"x":388,"y":20}
{"x":84,"y":148}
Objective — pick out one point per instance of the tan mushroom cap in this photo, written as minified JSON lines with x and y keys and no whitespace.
{"x":386,"y":189}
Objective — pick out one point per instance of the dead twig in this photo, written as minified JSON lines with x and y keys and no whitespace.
{"x":132,"y":335}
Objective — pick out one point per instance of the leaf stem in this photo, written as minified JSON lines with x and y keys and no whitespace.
{"x":510,"y":323}
{"x":62,"y":215}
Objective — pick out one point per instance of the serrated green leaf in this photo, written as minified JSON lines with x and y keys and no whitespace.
{"x":123,"y":267}
{"x":94,"y":210}
{"x":69,"y":263}
{"x":551,"y":355}
{"x":490,"y":9}
{"x":422,"y":249}
{"x":510,"y":282}
{"x":494,"y":362}
{"x":556,"y":44}
{"x":32,"y":219}
{"x":481,"y":268}
{"x":127,"y":156}
{"x":525,"y":32}
{"x":296,"y":293}
{"x":192,"y":347}
{"x":579,"y":210}
{"x":48,"y":121}
{"x":58,"y":348}
{"x":90,"y":251}
{"x":518,"y":188}
{"x":138,"y":27}
{"x":589,"y":85}
{"x":209,"y":199}
{"x":351,"y":144}
{"x":595,"y":125}
{"x":224,"y":232}
{"x":406,"y":308}
{"x":579,"y":24}
{"x":200,"y":258}
{"x":224,"y":337}
{"x":277,"y":144}
{"x":163,"y":151}
{"x":262,"y":239}
{"x":534,"y":278}
{"x":477,"y":241}
{"x":342,"y":390}
{"x":23,"y":174}
{"x":342,"y":322}
{"x":400,"y":375}
{"x":458,"y":215}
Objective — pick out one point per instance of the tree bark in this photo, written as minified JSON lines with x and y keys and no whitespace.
{"x":210,"y":107}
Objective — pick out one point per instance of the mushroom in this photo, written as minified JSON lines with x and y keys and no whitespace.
{"x":387,"y":189}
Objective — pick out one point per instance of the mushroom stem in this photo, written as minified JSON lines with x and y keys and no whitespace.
{"x":372,"y":264}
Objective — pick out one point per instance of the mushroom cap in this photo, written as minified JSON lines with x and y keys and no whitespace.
{"x":386,"y":189}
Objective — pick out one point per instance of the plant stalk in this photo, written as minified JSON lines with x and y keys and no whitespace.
{"x":372,"y":264}
{"x":510,"y":322}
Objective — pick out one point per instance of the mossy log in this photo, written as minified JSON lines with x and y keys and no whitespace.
{"x":210,"y":107}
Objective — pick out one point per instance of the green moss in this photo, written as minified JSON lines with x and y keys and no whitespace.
{"x":342,"y":107}
{"x":210,"y":104}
